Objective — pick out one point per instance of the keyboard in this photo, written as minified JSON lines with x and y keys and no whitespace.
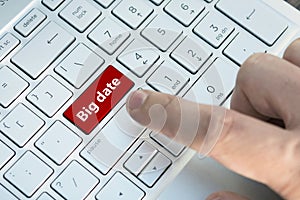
{"x":67,"y":67}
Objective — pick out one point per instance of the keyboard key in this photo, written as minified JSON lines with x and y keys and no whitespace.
{"x":191,"y":55}
{"x":6,"y":154}
{"x":162,"y":32}
{"x":116,"y":137}
{"x":215,"y":84}
{"x":157,"y":2}
{"x":58,"y":142}
{"x":132,"y":12}
{"x":98,"y":100}
{"x":141,"y":156}
{"x":11,"y":85}
{"x":214,"y":29}
{"x":155,"y":169}
{"x":52,"y":4}
{"x":20,"y":125}
{"x":109,"y":35}
{"x":119,"y":187}
{"x":170,"y":145}
{"x":49,"y":96}
{"x":75,"y":182}
{"x":7,"y":43}
{"x":45,"y":47}
{"x":168,"y":79}
{"x":256,"y":17}
{"x":105,"y":3}
{"x":138,"y":57}
{"x":79,"y":65}
{"x":243,"y":46}
{"x":28,"y":167}
{"x":30,"y":22}
{"x":45,"y":196}
{"x":185,"y":11}
{"x":5,"y":194}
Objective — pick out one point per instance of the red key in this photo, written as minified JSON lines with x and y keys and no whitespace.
{"x":100,"y":97}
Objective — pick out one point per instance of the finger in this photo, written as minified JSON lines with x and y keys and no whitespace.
{"x":226,"y":196}
{"x":267,"y":88}
{"x":291,"y":54}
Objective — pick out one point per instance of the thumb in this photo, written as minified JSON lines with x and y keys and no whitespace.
{"x":226,"y":196}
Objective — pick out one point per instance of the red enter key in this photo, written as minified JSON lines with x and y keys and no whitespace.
{"x":96,"y":102}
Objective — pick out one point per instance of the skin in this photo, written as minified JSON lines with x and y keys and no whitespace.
{"x":260,"y":134}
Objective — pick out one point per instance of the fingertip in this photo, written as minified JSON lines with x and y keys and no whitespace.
{"x":136,"y":100}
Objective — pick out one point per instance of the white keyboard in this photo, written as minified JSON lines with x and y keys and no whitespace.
{"x":67,"y":67}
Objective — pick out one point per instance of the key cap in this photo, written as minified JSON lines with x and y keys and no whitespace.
{"x":243,"y":46}
{"x":6,"y":154}
{"x":191,"y":55}
{"x":116,"y":137}
{"x":168,"y":79}
{"x":214,"y":29}
{"x":105,"y":3}
{"x":20,"y":125}
{"x":28,"y":167}
{"x":215,"y":84}
{"x":75,"y":182}
{"x":155,"y":169}
{"x":141,"y":156}
{"x":256,"y":17}
{"x":79,"y":65}
{"x":30,"y":22}
{"x":132,"y":12}
{"x":7,"y":43}
{"x":109,"y":35}
{"x":49,"y":96}
{"x":5,"y":194}
{"x":45,"y":47}
{"x":119,"y":187}
{"x":80,"y":14}
{"x":58,"y":142}
{"x":138,"y":57}
{"x":170,"y":145}
{"x":45,"y":196}
{"x":52,"y":4}
{"x":162,"y":32}
{"x":185,"y":11}
{"x":157,"y":2}
{"x":11,"y":86}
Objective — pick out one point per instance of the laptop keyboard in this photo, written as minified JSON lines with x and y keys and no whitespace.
{"x":68,"y":66}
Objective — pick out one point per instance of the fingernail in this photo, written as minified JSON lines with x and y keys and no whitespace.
{"x":136,"y":99}
{"x":215,"y":197}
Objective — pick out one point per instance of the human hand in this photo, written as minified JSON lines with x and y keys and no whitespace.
{"x":258,"y":138}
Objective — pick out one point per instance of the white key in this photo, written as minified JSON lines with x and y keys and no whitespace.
{"x":105,"y":3}
{"x":75,"y":182}
{"x":58,"y":142}
{"x":214,"y":28}
{"x":49,"y":96}
{"x":138,"y":57}
{"x":116,"y":137}
{"x":80,"y":14}
{"x":28,"y":167}
{"x":155,"y":169}
{"x":185,"y":11}
{"x":133,"y":12}
{"x":30,"y":22}
{"x":5,"y":194}
{"x":191,"y":55}
{"x":20,"y":125}
{"x":243,"y":46}
{"x":7,"y":43}
{"x":11,"y":86}
{"x":45,"y":196}
{"x":6,"y":154}
{"x":109,"y":35}
{"x":257,"y":17}
{"x":162,"y":32}
{"x":157,"y":2}
{"x":215,"y":85}
{"x":170,"y":145}
{"x":53,"y":40}
{"x":52,"y":4}
{"x":141,"y":156}
{"x":168,"y":79}
{"x":119,"y":187}
{"x":79,"y":65}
